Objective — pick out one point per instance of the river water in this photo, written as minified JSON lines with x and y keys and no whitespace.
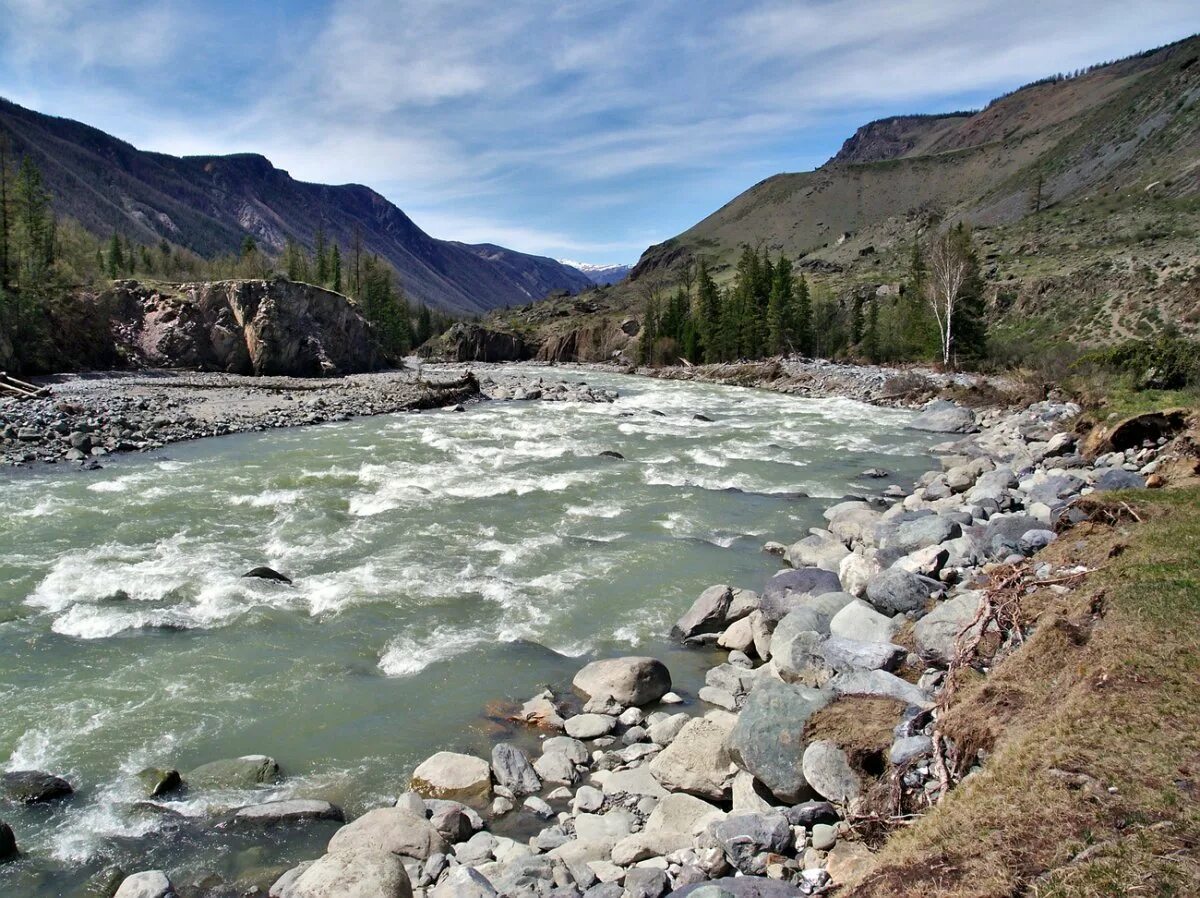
{"x":442,"y":562}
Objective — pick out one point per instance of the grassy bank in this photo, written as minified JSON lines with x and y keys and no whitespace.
{"x":1090,"y":730}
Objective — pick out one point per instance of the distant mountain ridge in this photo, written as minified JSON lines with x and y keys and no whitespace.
{"x":599,"y":274}
{"x":209,"y":204}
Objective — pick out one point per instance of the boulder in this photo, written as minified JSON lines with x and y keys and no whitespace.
{"x":455,"y":776}
{"x":847,"y":861}
{"x":630,"y":681}
{"x":452,"y":822}
{"x":909,"y":748}
{"x":34,"y":786}
{"x":992,"y":486}
{"x":541,"y":711}
{"x":862,"y":623}
{"x":682,"y":813}
{"x":880,"y":683}
{"x":148,"y":884}
{"x":841,"y":654}
{"x":854,"y":522}
{"x":8,"y":844}
{"x":158,"y":782}
{"x":572,"y":749}
{"x":797,"y":657}
{"x":819,"y":549}
{"x":744,"y":838}
{"x":896,"y":591}
{"x":708,"y":614}
{"x":266,"y":573}
{"x":463,"y":882}
{"x":390,"y":829}
{"x":245,"y":772}
{"x":293,"y":810}
{"x":645,"y":882}
{"x":354,"y":873}
{"x":697,"y":760}
{"x":936,"y":634}
{"x":556,"y":767}
{"x":768,"y":738}
{"x":663,"y":732}
{"x":1119,"y":479}
{"x":920,"y":532}
{"x":590,"y":726}
{"x":786,"y":590}
{"x":942,"y":416}
{"x":856,"y":571}
{"x":827,"y":769}
{"x":512,"y":769}
{"x":738,"y":636}
{"x":739,"y":887}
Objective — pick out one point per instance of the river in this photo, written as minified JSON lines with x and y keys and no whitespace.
{"x":442,"y":561}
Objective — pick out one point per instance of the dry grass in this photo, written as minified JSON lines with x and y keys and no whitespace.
{"x":1090,"y":733}
{"x":861,"y":726}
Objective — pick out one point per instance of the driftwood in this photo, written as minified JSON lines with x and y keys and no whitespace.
{"x":9,"y":385}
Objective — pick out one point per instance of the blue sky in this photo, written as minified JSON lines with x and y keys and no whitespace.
{"x":580,"y":129}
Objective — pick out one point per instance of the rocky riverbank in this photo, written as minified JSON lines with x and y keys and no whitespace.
{"x":824,"y":711}
{"x":86,"y":417}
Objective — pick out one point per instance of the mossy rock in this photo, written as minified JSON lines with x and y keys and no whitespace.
{"x":159,"y":782}
{"x":245,"y":772}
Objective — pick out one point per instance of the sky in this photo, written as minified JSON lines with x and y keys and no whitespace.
{"x":587,"y":130}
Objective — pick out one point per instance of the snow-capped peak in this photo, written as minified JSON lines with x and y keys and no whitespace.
{"x":599,"y":274}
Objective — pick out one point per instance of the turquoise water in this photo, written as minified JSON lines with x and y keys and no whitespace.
{"x":442,"y":561}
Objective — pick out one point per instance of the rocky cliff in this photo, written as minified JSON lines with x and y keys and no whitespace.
{"x":238,"y":326}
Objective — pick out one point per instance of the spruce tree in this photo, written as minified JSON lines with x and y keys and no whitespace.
{"x":34,"y":228}
{"x":116,"y":257}
{"x":802,"y":317}
{"x":870,"y":342}
{"x":322,"y":259}
{"x":335,"y":269}
{"x":856,"y":321}
{"x":708,"y":316}
{"x":649,"y":333}
{"x":5,"y":217}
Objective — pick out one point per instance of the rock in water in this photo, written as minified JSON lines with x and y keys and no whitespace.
{"x":357,"y":873}
{"x":159,"y":782}
{"x":266,"y":573}
{"x":942,"y":416}
{"x":708,"y":614}
{"x":611,"y":453}
{"x":630,"y":681}
{"x":35,"y":786}
{"x":449,"y":775}
{"x":245,"y":772}
{"x":292,"y":810}
{"x":150,"y":884}
{"x":8,"y":844}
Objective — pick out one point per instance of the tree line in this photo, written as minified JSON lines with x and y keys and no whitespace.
{"x":769,"y":309}
{"x":42,"y":257}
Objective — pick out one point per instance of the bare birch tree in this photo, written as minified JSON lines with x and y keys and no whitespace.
{"x":948,"y":265}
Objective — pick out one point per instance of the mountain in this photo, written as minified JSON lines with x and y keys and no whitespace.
{"x":599,"y":274}
{"x":209,"y":204}
{"x":1083,"y":193}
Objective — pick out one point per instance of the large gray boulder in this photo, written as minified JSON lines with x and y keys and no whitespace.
{"x":454,"y":776}
{"x":917,"y":533}
{"x":936,"y":634}
{"x":860,"y":622}
{"x":786,"y":591}
{"x":590,"y":726}
{"x":697,"y":761}
{"x":1055,"y":490}
{"x":1119,"y":479}
{"x":353,"y":873}
{"x":992,"y":486}
{"x":245,"y":772}
{"x":708,"y":614}
{"x":841,"y":654}
{"x":768,"y":739}
{"x":853,"y":521}
{"x":390,"y":829}
{"x":744,"y":838}
{"x":630,"y":681}
{"x":797,"y":656}
{"x":148,"y":884}
{"x":896,"y":591}
{"x":512,"y":770}
{"x":828,"y":771}
{"x":942,"y":416}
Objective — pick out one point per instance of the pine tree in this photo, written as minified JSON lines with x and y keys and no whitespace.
{"x":116,"y":258}
{"x":335,"y":269}
{"x":802,"y":317}
{"x":424,"y":325}
{"x":5,"y":219}
{"x":708,"y":316}
{"x":856,"y":321}
{"x":322,"y":259}
{"x":357,"y":249}
{"x":870,"y":342}
{"x":970,"y":321}
{"x":33,"y":234}
{"x":649,"y":333}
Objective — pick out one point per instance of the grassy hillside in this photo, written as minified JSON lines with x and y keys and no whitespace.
{"x":1084,"y":195}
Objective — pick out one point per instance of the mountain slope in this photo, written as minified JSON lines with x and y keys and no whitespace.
{"x":1084,"y":194}
{"x":1120,"y":126}
{"x":210,"y":203}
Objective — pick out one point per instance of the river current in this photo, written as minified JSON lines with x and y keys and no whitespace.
{"x":442,"y":561}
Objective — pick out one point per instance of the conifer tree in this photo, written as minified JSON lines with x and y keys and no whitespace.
{"x":335,"y":269}
{"x":870,"y":342}
{"x":5,"y":217}
{"x":33,"y":232}
{"x":856,"y":321}
{"x":322,"y":259}
{"x":802,"y":317}
{"x":116,"y":257}
{"x":708,"y":315}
